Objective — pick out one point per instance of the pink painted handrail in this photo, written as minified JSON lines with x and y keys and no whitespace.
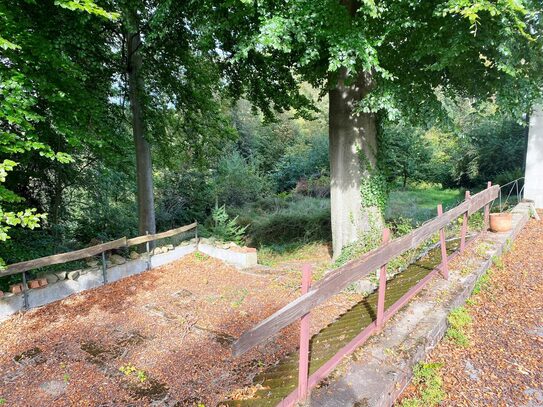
{"x":382,"y":285}
{"x":444,"y":262}
{"x":305,"y":381}
{"x":487,"y":208}
{"x":303,"y":364}
{"x":464,"y":226}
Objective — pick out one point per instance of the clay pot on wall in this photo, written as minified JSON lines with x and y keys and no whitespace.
{"x":501,"y":222}
{"x":16,"y":288}
{"x":34,"y":284}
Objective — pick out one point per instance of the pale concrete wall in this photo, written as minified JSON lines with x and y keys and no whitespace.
{"x":164,"y":258}
{"x":241,"y":260}
{"x":89,"y":278}
{"x":92,"y":278}
{"x":533,"y":188}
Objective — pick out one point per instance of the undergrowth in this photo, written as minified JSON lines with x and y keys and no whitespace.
{"x":482,"y":283}
{"x":459,"y":321}
{"x":430,"y":386}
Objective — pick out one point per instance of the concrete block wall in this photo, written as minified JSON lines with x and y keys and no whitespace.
{"x":93,"y":277}
{"x":533,"y":186}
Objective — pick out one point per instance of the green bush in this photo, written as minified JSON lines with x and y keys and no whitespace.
{"x":183,"y":197}
{"x":238,"y":181}
{"x":226,"y":229}
{"x":287,"y":219}
{"x":305,"y":160}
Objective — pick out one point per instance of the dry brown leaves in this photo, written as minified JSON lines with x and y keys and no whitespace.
{"x":175,"y":324}
{"x":503,"y":366}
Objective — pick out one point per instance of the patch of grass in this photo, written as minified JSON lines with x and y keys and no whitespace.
{"x":271,"y":255}
{"x":130,"y":370}
{"x":508,"y":245}
{"x":430,"y":386}
{"x":465,"y":270}
{"x":482,"y":249}
{"x":241,"y":295}
{"x":200,"y":256}
{"x":420,"y":203}
{"x":498,"y":262}
{"x":459,"y":320}
{"x":482,"y":282}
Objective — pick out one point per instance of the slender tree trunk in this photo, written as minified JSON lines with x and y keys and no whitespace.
{"x":55,"y":203}
{"x":144,"y":168}
{"x":351,"y":136}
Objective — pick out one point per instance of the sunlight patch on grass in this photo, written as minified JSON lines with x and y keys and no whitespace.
{"x":272,"y":255}
{"x":428,"y":379}
{"x":420,"y":204}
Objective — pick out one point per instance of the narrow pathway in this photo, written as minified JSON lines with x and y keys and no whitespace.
{"x":503,"y":363}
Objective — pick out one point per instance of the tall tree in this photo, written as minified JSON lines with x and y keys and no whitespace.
{"x":144,"y":167}
{"x":376,"y":58}
{"x":172,"y":86}
{"x":52,"y":91}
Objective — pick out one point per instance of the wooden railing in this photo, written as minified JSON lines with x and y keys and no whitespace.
{"x":338,"y":279}
{"x":90,"y":251}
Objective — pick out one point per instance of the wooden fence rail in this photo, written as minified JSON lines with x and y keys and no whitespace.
{"x":90,"y":251}
{"x":355,"y":270}
{"x":163,"y":235}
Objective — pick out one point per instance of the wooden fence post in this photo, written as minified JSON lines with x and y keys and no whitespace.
{"x":444,"y":259}
{"x":464,"y":231}
{"x":487,"y":208}
{"x":104,"y":267}
{"x":148,"y":252}
{"x":382,"y":285}
{"x":303,"y":368}
{"x":25,"y":292}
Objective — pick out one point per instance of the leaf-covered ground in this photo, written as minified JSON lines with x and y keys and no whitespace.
{"x":162,"y":338}
{"x":502,"y":363}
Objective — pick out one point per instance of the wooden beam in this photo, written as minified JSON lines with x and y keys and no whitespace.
{"x":156,"y":236}
{"x":89,"y":251}
{"x":482,"y":198}
{"x":338,"y":279}
{"x":62,"y":258}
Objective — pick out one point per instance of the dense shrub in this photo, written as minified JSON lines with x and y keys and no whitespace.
{"x":304,"y":219}
{"x":317,"y":187}
{"x":238,"y":181}
{"x":107,"y":211}
{"x":183,"y":197}
{"x":307,"y":159}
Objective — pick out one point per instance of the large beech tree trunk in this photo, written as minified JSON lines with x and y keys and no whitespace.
{"x":351,"y":136}
{"x":144,"y":168}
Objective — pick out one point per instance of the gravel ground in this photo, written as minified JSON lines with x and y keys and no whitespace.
{"x":159,"y":338}
{"x":503,"y":365}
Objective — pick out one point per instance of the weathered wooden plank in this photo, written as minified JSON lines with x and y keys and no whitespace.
{"x":156,"y":236}
{"x":62,"y":257}
{"x":338,"y":279}
{"x":482,"y":198}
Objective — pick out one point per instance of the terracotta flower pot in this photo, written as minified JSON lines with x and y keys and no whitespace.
{"x":501,"y":222}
